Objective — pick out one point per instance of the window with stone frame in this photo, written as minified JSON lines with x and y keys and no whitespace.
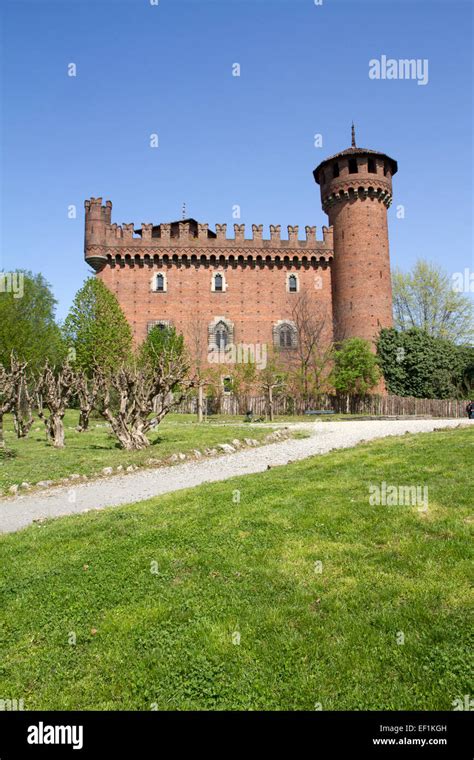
{"x":284,"y":335}
{"x":159,"y":283}
{"x":218,"y":282}
{"x":221,"y":333}
{"x":292,"y":283}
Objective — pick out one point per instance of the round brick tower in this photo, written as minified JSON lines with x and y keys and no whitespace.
{"x":356,"y":191}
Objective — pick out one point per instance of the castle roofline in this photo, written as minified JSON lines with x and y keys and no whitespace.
{"x":174,"y":226}
{"x":354,"y":151}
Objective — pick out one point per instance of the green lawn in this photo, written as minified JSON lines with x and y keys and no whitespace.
{"x":87,"y":453}
{"x":170,"y":639}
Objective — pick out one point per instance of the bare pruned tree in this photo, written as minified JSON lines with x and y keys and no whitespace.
{"x":272,"y":379}
{"x":86,"y":392}
{"x":136,"y":397}
{"x":54,"y":390}
{"x":7,"y":398}
{"x":22,"y":409}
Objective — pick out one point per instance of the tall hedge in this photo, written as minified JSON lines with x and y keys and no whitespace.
{"x":417,"y":364}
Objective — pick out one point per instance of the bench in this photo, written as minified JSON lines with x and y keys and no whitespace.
{"x":319,"y":411}
{"x":250,"y":417}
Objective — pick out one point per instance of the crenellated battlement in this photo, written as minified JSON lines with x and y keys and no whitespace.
{"x":104,"y":238}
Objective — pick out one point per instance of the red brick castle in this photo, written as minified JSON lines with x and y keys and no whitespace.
{"x":243,"y":290}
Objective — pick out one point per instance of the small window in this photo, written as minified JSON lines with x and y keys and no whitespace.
{"x":385,"y":168}
{"x":353,"y":166}
{"x":292,"y":283}
{"x":335,"y":170}
{"x":371,"y":167}
{"x":158,"y":283}
{"x":227,"y":384}
{"x":218,"y":283}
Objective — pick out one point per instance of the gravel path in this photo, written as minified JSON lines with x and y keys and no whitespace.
{"x":19,"y":511}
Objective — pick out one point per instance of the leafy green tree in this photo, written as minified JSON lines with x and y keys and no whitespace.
{"x":417,"y":364}
{"x":27,"y":320}
{"x":96,"y":329}
{"x":161,"y":342}
{"x":355,"y":367}
{"x":425,"y":298}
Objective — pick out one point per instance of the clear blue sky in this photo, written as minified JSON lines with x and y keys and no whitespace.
{"x":225,"y":140}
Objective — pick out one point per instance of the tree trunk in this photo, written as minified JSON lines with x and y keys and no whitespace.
{"x":22,"y":425}
{"x":270,"y":403}
{"x":129,"y":437}
{"x":200,"y":402}
{"x":84,"y":415}
{"x":55,"y":431}
{"x":132,"y":441}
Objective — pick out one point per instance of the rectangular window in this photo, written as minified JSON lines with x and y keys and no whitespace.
{"x":353,"y":166}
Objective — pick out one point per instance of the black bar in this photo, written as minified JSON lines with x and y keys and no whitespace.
{"x":166,"y":734}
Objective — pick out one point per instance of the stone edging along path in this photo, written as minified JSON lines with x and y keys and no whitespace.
{"x":115,"y":490}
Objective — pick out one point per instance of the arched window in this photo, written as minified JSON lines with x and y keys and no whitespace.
{"x":221,"y":336}
{"x":218,"y":283}
{"x":159,"y":283}
{"x":292,"y":283}
{"x":220,"y":333}
{"x":284,"y":334}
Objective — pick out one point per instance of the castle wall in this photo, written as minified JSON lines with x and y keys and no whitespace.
{"x":254,"y":300}
{"x":256,"y":296}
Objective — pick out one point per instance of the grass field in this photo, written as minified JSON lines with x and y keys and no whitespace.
{"x":194,"y":601}
{"x":87,"y":453}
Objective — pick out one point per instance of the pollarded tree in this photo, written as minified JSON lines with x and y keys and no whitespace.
{"x":85,"y":391}
{"x":7,"y":399}
{"x":137,"y":396}
{"x":54,"y":390}
{"x":272,"y":379}
{"x":22,"y":409}
{"x":134,"y":399}
{"x":96,"y":331}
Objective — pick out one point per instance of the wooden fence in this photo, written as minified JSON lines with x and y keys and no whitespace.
{"x":370,"y":405}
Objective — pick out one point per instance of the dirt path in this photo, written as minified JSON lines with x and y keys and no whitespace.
{"x":20,"y":511}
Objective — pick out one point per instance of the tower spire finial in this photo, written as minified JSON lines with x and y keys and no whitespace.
{"x":353,"y":136}
{"x":183,"y":211}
